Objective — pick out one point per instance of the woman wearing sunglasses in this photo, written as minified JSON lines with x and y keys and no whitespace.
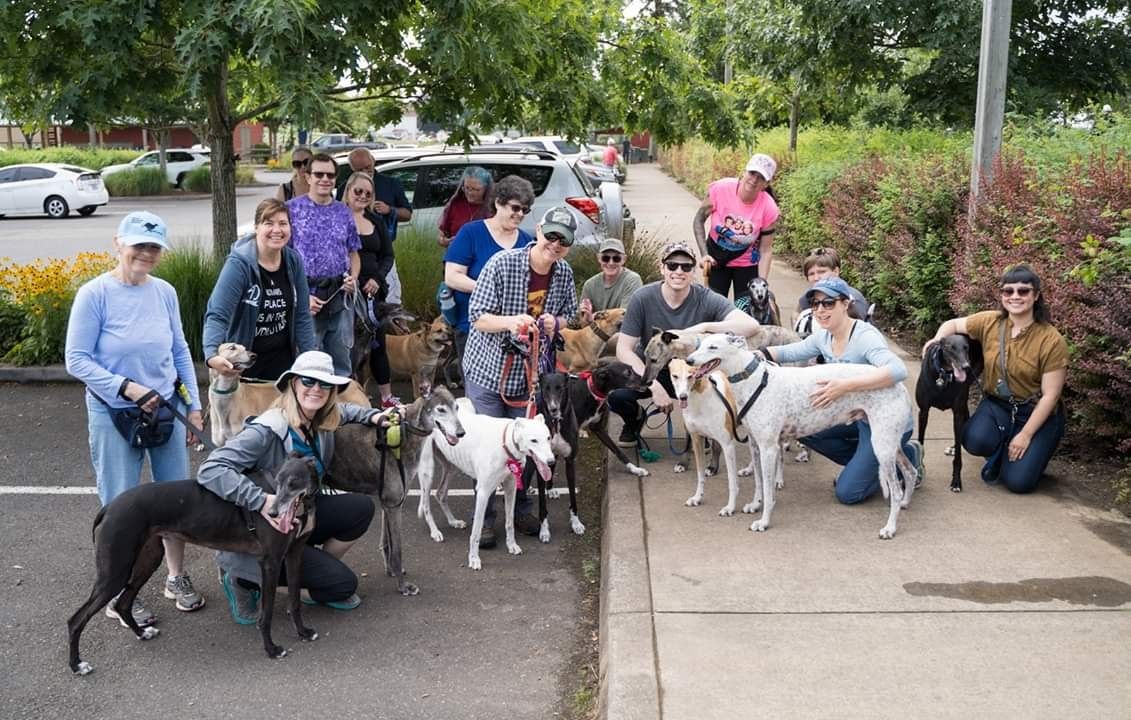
{"x":1020,"y":421}
{"x":298,"y":185}
{"x":302,"y":420}
{"x":479,"y":240}
{"x":839,"y":338}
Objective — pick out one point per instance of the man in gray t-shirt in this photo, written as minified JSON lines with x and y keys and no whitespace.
{"x":674,"y":303}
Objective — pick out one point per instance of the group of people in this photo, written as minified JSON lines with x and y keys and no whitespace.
{"x":283,"y":294}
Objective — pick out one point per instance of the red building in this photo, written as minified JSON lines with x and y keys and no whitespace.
{"x":245,"y":135}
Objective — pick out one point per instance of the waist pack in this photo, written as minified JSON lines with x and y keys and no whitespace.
{"x":142,"y":429}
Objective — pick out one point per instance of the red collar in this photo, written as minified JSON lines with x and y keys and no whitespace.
{"x":587,"y":376}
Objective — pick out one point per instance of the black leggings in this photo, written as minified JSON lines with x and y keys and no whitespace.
{"x":721,"y":279}
{"x":338,"y":517}
{"x":379,"y":359}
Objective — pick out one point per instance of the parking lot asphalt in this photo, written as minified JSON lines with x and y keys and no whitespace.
{"x":487,"y":644}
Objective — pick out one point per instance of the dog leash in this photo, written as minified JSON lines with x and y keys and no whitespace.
{"x":198,"y":432}
{"x":735,"y":422}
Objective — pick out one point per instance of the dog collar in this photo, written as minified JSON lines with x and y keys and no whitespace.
{"x":506,"y":449}
{"x":587,"y":376}
{"x":748,"y":371}
{"x":943,"y":376}
{"x":214,"y":391}
{"x":599,"y":332}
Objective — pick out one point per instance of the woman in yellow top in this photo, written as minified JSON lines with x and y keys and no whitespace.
{"x":1020,"y":421}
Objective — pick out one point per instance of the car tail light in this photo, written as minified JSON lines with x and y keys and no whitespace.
{"x":588,"y":207}
{"x":89,"y":181}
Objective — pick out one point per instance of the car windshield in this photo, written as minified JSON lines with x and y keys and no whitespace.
{"x":565,"y":147}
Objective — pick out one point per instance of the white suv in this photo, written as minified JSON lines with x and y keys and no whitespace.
{"x":177,"y":163}
{"x":429,"y":179}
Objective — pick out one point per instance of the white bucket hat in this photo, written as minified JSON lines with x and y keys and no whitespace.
{"x":312,"y":364}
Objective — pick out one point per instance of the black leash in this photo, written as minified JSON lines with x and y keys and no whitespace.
{"x":735,"y":422}
{"x":757,"y":393}
{"x":204,"y":440}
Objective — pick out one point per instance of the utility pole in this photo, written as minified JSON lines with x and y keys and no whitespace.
{"x":990,"y":112}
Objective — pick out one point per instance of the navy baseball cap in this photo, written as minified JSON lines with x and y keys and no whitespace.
{"x":831,"y":286}
{"x":141,"y":227}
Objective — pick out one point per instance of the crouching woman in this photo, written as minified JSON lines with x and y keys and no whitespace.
{"x":302,"y":420}
{"x":1020,"y":421}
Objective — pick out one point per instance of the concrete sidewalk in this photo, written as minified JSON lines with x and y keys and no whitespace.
{"x":985,"y":604}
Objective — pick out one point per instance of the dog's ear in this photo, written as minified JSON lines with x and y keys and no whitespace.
{"x":668,"y":337}
{"x":656,"y":331}
{"x":425,"y":388}
{"x":599,"y":315}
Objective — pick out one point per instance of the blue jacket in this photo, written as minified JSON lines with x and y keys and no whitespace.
{"x":237,"y":299}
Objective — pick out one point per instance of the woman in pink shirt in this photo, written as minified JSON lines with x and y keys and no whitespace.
{"x":737,"y":243}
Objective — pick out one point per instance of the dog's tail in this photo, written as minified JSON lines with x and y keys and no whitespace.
{"x":97,"y":521}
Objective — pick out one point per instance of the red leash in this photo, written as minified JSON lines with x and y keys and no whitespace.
{"x":530,"y":335}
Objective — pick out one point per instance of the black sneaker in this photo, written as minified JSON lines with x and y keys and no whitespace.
{"x":487,"y":538}
{"x":627,"y":437}
{"x":527,"y":524}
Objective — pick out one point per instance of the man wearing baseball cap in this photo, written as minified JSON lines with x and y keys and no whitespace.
{"x":673,"y":303}
{"x":737,"y":245}
{"x":613,"y":286}
{"x":515,"y":289}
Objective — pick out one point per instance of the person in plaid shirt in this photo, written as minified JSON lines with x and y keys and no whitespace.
{"x":515,"y":288}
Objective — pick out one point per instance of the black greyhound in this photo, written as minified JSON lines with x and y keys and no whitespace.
{"x":570,"y":404}
{"x":128,"y":549}
{"x":361,"y":464}
{"x":950,"y":367}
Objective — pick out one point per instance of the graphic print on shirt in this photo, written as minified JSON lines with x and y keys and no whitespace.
{"x":536,"y":293}
{"x":273,"y":315}
{"x":735,"y":233}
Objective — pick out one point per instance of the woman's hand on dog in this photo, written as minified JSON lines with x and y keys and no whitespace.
{"x":276,"y":522}
{"x":222,"y":366}
{"x":827,"y":392}
{"x":382,"y":418}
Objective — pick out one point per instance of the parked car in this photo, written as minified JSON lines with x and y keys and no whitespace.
{"x":568,"y":149}
{"x":429,"y":180}
{"x":340,"y":142}
{"x":178,"y":162}
{"x":598,"y":172}
{"x":380,"y":157}
{"x":50,"y":188}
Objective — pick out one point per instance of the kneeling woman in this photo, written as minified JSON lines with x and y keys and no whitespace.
{"x":1020,"y":421}
{"x":842,"y":339}
{"x":302,"y":420}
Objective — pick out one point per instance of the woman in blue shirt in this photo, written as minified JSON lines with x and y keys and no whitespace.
{"x":842,"y":339}
{"x":479,"y":240}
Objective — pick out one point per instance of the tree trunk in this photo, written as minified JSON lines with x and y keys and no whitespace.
{"x":92,"y":136}
{"x":162,"y":146}
{"x":223,"y":163}
{"x":794,"y":117}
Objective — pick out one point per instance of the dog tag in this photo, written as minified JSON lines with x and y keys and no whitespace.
{"x":516,"y":470}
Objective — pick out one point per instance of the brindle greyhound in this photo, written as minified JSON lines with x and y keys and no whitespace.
{"x":361,"y":464}
{"x":128,"y":548}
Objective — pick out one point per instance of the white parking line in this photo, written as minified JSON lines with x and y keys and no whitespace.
{"x":90,"y":490}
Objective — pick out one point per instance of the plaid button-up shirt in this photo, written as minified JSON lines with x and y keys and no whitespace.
{"x":502,"y":289}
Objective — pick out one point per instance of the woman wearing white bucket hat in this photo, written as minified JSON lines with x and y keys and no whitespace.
{"x":302,"y":420}
{"x":737,"y":245}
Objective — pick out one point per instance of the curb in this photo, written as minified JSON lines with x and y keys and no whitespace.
{"x":58,"y":374}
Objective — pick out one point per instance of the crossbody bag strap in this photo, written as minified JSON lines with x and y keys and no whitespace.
{"x":1001,"y":361}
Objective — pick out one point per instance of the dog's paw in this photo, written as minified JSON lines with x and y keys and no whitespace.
{"x":780,"y":482}
{"x":149,"y":633}
{"x":752,"y":507}
{"x":759,"y":526}
{"x":711,"y":471}
{"x":887,"y":532}
{"x":802,"y":456}
{"x":84,"y":668}
{"x":544,"y":531}
{"x":513,"y":548}
{"x":437,"y":536}
{"x":637,"y":471}
{"x":746,"y":471}
{"x":949,"y":452}
{"x":199,"y":447}
{"x":474,"y":562}
{"x":408,"y":589}
{"x":582,"y":433}
{"x":695,"y":500}
{"x":956,"y":488}
{"x":457,"y":524}
{"x":726,"y":511}
{"x":576,"y":525}
{"x":308,"y":634}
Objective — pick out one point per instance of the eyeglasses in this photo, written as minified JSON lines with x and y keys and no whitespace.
{"x":311,"y":382}
{"x":323,"y":175}
{"x":824,"y":302}
{"x":516,"y":208}
{"x":1022,"y":291}
{"x":559,"y":239}
{"x":684,"y":266}
{"x":300,"y":163}
{"x":820,"y":251}
{"x":611,"y":258}
{"x":358,"y":192}
{"x":148,"y":247}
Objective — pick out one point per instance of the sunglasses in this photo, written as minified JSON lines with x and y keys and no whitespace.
{"x":824,"y":302}
{"x":1018,"y":291}
{"x":516,"y":208}
{"x":300,"y":163}
{"x":684,"y":266}
{"x":148,"y":247}
{"x":820,"y":251}
{"x":311,"y":382}
{"x":358,"y":192}
{"x":559,"y":239}
{"x":611,"y":258}
{"x":323,"y":175}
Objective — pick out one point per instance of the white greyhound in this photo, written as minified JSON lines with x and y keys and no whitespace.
{"x":483,"y":453}
{"x":782,"y":408}
{"x":705,"y":414}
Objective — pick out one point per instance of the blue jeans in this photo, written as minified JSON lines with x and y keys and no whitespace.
{"x":117,"y":466}
{"x":851,"y":446}
{"x":989,"y":431}
{"x":488,"y":402}
{"x":330,"y":335}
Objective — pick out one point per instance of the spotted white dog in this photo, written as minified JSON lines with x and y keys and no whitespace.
{"x":776,"y":406}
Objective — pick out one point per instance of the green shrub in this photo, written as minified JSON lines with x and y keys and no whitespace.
{"x":11,"y":323}
{"x":70,"y":155}
{"x":420,"y":266}
{"x":136,"y":182}
{"x":198,"y":180}
{"x":192,"y":270}
{"x":245,"y":175}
